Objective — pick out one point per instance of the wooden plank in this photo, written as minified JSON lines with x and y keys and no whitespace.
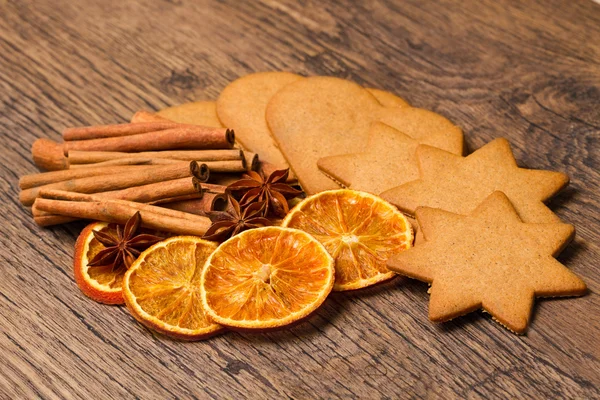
{"x":529,"y":71}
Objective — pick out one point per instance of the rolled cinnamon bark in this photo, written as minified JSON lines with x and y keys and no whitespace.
{"x":125,"y":161}
{"x":52,"y":219}
{"x":45,"y":178}
{"x":43,"y":218}
{"x":200,"y":171}
{"x":232,"y":166}
{"x":174,"y":199}
{"x":105,"y":183}
{"x":119,"y":211}
{"x":92,"y":157}
{"x":87,"y":198}
{"x":252,"y":161}
{"x":210,"y":187}
{"x":182,"y":137}
{"x":49,"y":155}
{"x":108,"y":131}
{"x":208,"y":202}
{"x":154,"y":191}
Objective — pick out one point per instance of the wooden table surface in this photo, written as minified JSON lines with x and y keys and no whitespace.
{"x":527,"y":70}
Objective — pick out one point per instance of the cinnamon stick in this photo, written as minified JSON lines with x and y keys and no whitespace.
{"x":52,"y":219}
{"x":128,"y":161}
{"x":182,"y":137}
{"x":208,"y":202}
{"x":229,"y":166}
{"x":119,"y":211}
{"x":45,"y":178}
{"x":145,"y":116}
{"x":91,"y":157}
{"x":252,"y":161}
{"x":225,"y":166}
{"x":154,"y":191}
{"x":174,"y":199}
{"x":200,"y":171}
{"x":49,"y":155}
{"x":199,"y":191}
{"x":209,"y":187}
{"x":82,"y":197}
{"x":43,"y":218}
{"x":105,"y":183}
{"x":124,"y":161}
{"x":107,"y":131}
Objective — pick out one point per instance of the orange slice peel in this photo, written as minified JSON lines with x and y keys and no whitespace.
{"x":266,"y":278}
{"x":360,"y":230}
{"x":162,"y":288}
{"x":101,"y":283}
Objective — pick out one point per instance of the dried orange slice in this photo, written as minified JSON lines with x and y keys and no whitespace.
{"x":359,"y":230}
{"x":162,"y":288}
{"x":266,"y":278}
{"x":99,"y":283}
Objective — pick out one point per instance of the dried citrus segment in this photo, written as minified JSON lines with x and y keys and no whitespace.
{"x":162,"y":288}
{"x":266,"y":278}
{"x":99,"y":283}
{"x":359,"y":230}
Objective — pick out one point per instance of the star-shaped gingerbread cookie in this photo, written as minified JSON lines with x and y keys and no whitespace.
{"x":388,"y":160}
{"x":458,"y":184}
{"x":488,"y":259}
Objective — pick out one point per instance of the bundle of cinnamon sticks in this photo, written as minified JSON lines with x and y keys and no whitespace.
{"x":152,"y":165}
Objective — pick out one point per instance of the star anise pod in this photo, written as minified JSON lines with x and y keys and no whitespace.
{"x":273,"y":191}
{"x":235,"y":219}
{"x":122,"y":249}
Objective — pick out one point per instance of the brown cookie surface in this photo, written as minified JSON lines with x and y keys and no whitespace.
{"x":324,"y":116}
{"x":241,"y":106}
{"x":196,"y":113}
{"x":425,"y":126}
{"x":388,"y":99}
{"x":388,"y":161}
{"x":488,"y":260}
{"x":459,"y":184}
{"x":316,"y":117}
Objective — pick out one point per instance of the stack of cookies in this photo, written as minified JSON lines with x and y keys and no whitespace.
{"x":485,"y":238}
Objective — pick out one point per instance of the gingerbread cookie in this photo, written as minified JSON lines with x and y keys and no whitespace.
{"x":241,"y":106}
{"x":488,"y":259}
{"x":324,"y":116}
{"x":197,"y":113}
{"x":387,"y":161}
{"x":316,"y":117}
{"x":388,"y":99}
{"x":426,"y":127}
{"x":459,"y":184}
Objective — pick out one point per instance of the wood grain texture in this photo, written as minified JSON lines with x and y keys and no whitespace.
{"x":528,"y":71}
